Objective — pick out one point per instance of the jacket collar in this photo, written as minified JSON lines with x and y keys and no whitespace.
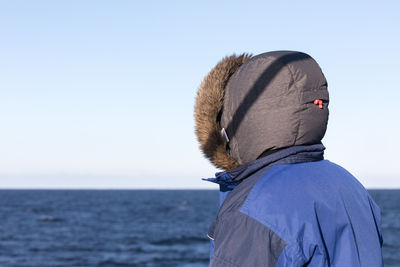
{"x":295,"y":154}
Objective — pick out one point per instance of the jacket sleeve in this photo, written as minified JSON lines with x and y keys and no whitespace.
{"x":240,"y":240}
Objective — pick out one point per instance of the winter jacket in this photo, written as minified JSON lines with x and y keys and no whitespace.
{"x":262,"y":119}
{"x":293,"y":208}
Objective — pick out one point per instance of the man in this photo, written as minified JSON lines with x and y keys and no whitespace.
{"x":262,"y":119}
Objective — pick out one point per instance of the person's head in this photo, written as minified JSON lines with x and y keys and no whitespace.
{"x":247,"y":106}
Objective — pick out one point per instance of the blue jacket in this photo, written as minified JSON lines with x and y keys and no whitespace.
{"x":293,"y":208}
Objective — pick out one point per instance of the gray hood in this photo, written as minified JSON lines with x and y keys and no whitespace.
{"x":268,"y":103}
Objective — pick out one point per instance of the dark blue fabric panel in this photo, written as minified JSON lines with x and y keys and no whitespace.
{"x":243,"y":241}
{"x":231,"y":202}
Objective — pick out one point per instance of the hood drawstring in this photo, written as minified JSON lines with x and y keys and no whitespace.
{"x":318,"y":102}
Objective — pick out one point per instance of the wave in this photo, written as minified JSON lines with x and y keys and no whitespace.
{"x":179,"y":241}
{"x":50,"y":219}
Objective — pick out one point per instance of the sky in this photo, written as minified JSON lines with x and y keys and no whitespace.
{"x":100,"y":94}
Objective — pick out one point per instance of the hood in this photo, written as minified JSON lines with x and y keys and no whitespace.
{"x":248,"y":105}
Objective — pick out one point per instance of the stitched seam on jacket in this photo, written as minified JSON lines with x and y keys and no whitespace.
{"x":279,"y":231}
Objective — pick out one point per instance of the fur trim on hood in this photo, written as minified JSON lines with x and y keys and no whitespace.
{"x":209,"y":102}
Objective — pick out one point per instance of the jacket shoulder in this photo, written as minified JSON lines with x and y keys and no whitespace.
{"x":307,"y":204}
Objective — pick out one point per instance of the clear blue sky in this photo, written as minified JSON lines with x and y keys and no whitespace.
{"x":100,"y":94}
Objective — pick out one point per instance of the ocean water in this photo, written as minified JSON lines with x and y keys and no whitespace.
{"x":129,"y":227}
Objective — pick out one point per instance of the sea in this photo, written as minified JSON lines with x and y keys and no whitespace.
{"x":129,"y":227}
